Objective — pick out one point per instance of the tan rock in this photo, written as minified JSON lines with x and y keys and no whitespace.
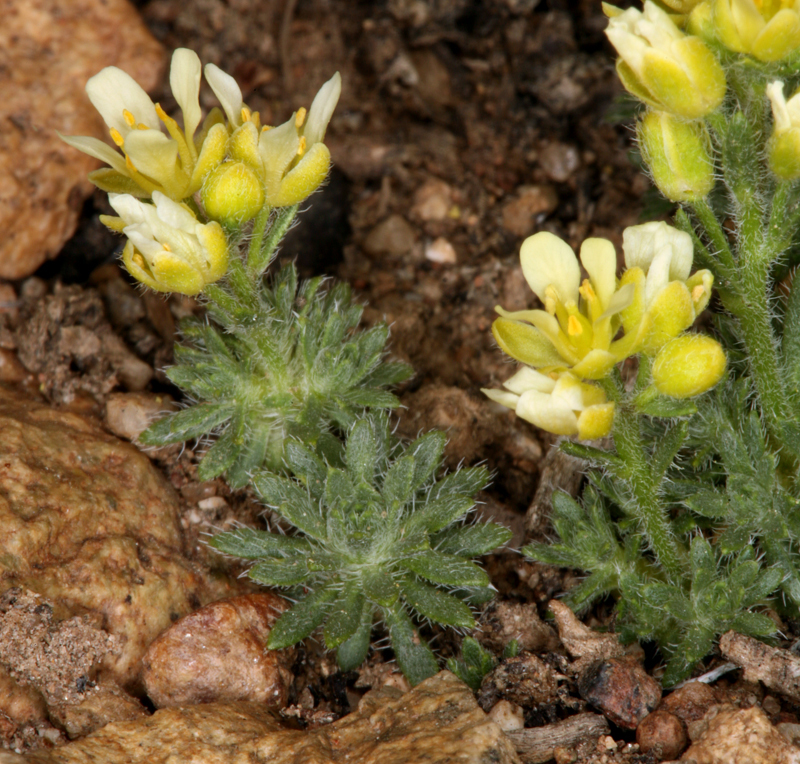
{"x":521,"y":213}
{"x":525,"y":680}
{"x":436,"y":722}
{"x":92,"y":526}
{"x":128,"y":415}
{"x":504,"y":621}
{"x":393,"y":236}
{"x":729,"y":735}
{"x":432,"y":200}
{"x":48,"y":50}
{"x":219,"y":653}
{"x":663,"y":733}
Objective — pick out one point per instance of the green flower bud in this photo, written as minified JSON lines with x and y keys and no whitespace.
{"x":678,"y":156}
{"x":232,"y":194}
{"x":688,"y":365}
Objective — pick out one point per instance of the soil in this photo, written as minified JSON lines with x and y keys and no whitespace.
{"x":464,"y":125}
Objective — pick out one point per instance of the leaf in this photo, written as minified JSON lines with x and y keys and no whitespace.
{"x":413,"y":655}
{"x":466,"y":482}
{"x":292,"y":502}
{"x":379,"y":587}
{"x":339,"y":489}
{"x":307,"y":467}
{"x":361,"y":452}
{"x":439,"y":513}
{"x":344,"y":616}
{"x":190,"y":423}
{"x":471,"y":540}
{"x":252,"y":544}
{"x":296,"y":624}
{"x":666,"y":408}
{"x":352,"y":653}
{"x":446,"y":569}
{"x":427,"y":452}
{"x":398,"y":486}
{"x":280,"y":572}
{"x":223,"y":453}
{"x":438,"y":606}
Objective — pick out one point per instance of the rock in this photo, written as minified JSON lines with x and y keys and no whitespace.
{"x":520,"y":215}
{"x":505,"y":621}
{"x":621,"y":689}
{"x":436,"y":722}
{"x":559,"y":161}
{"x":219,"y":653}
{"x":128,"y":415}
{"x":91,"y":525}
{"x":525,"y":680}
{"x":508,"y":716}
{"x":393,"y":236}
{"x":729,"y":735}
{"x":103,"y":704}
{"x":663,"y":733}
{"x":50,"y":49}
{"x":587,"y":646}
{"x":778,"y":669}
{"x":441,"y":251}
{"x":432,"y":201}
{"x":689,"y":703}
{"x":11,"y":370}
{"x":537,"y":745}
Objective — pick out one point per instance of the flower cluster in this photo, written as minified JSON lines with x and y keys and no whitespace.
{"x":589,"y":326}
{"x":203,"y":180}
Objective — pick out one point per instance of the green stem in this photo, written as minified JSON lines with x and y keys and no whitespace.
{"x":716,"y":235}
{"x":648,"y":510}
{"x":257,"y":237}
{"x":259,"y":258}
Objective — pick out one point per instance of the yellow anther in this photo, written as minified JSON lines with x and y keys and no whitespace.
{"x":698,"y":292}
{"x":139,"y":260}
{"x":574,"y":327}
{"x":166,"y":247}
{"x":550,"y":304}
{"x":586,"y":291}
{"x":246,"y":114}
{"x":116,"y":136}
{"x":301,"y":149}
{"x":142,"y":126}
{"x":162,"y":115}
{"x":265,"y":128}
{"x":130,"y":120}
{"x":300,"y":117}
{"x":131,"y":167}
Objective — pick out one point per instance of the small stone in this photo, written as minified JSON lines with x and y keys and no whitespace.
{"x":520,"y":215}
{"x":740,"y":736}
{"x":11,"y":370}
{"x":582,"y":643}
{"x":559,"y":161}
{"x":132,"y":372}
{"x":691,"y":702}
{"x":525,"y":680}
{"x":393,"y":236}
{"x":505,"y":621}
{"x":50,"y":49}
{"x":663,"y":733}
{"x":621,"y":689}
{"x":508,"y":716}
{"x":219,"y":653}
{"x":128,"y":415}
{"x":432,"y":201}
{"x":441,"y":251}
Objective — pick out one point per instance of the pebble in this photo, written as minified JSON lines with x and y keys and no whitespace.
{"x":432,"y":201}
{"x":520,"y":215}
{"x":219,"y":653}
{"x":128,"y":415}
{"x":441,"y":251}
{"x":730,"y":735}
{"x":663,"y":733}
{"x":525,"y":680}
{"x":621,"y":689}
{"x":689,"y":703}
{"x":11,"y":370}
{"x":559,"y":161}
{"x":508,"y":716}
{"x":50,"y":49}
{"x":436,"y":722}
{"x":393,"y":236}
{"x":504,"y":621}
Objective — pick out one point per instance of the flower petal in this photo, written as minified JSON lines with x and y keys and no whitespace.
{"x":547,"y":260}
{"x":528,"y":379}
{"x":321,"y":111}
{"x":184,"y":79}
{"x":525,"y":343}
{"x":227,"y":92}
{"x":113,"y":92}
{"x":509,"y":400}
{"x":596,"y":421}
{"x":97,"y":149}
{"x":541,"y":410}
{"x":600,"y":260}
{"x":153,"y":154}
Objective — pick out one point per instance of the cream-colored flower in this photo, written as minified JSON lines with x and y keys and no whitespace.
{"x":784,"y":144}
{"x":769,"y":30}
{"x":168,"y":249}
{"x":666,"y":299}
{"x":662,"y":66}
{"x":560,"y":404}
{"x":291,"y":159}
{"x":174,"y":163}
{"x":577,"y":328}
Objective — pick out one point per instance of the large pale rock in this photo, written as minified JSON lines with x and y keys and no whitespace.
{"x":48,"y":50}
{"x":436,"y":722}
{"x":90,"y":524}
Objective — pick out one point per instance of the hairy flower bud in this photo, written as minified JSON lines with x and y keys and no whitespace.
{"x":232,"y":194}
{"x":688,"y":365}
{"x":677,"y":153}
{"x":784,"y":144}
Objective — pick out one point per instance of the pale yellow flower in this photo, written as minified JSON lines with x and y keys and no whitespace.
{"x":784,"y":144}
{"x":769,"y":30}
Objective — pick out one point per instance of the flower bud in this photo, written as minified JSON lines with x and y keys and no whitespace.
{"x":688,"y":365}
{"x":784,"y":144}
{"x":232,"y":194}
{"x":662,"y":66}
{"x":767,"y":31}
{"x":677,"y":153}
